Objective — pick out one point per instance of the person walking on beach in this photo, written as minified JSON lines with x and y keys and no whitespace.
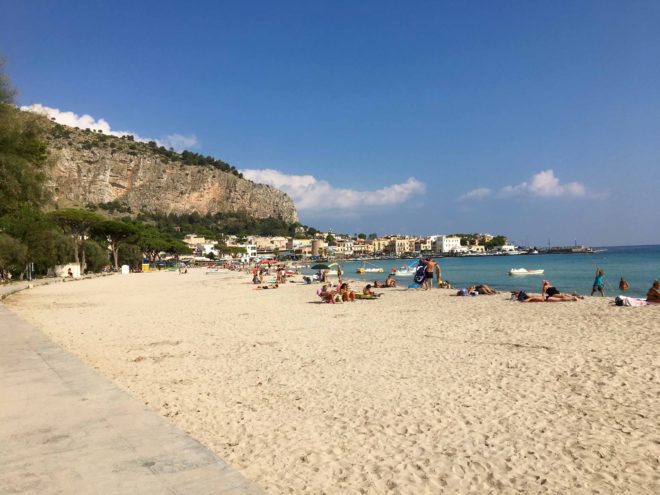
{"x":623,"y":285}
{"x":598,"y":283}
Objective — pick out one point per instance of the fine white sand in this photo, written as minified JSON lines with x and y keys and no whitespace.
{"x":418,"y":392}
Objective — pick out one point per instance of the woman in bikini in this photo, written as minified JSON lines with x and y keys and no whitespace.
{"x":552,"y":294}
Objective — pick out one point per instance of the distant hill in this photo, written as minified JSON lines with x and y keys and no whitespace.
{"x":92,"y":169}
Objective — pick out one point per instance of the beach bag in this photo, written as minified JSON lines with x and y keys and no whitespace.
{"x":420,"y":274}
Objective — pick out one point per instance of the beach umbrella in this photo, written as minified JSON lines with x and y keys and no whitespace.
{"x":320,"y":266}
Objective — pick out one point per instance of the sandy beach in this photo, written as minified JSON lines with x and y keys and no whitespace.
{"x":416,"y":392}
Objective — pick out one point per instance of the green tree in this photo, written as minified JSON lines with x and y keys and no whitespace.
{"x":96,"y":255}
{"x":362,"y":236}
{"x":77,"y":224}
{"x":115,"y":234}
{"x":7,"y":91}
{"x":330,"y":239}
{"x":22,"y":159}
{"x":130,"y":254}
{"x":152,"y":242}
{"x":45,"y":243}
{"x":13,"y":255}
{"x":498,"y":240}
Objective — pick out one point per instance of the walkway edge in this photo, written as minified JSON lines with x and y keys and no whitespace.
{"x":66,"y":429}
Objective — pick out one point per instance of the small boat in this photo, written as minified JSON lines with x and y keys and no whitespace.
{"x":525,"y":271}
{"x":404,"y":271}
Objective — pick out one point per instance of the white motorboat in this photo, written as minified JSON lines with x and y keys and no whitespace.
{"x":404,"y":271}
{"x":525,"y":271}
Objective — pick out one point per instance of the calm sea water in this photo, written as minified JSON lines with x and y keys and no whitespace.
{"x":639,"y":265}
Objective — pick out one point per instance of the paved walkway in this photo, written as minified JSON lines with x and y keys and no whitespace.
{"x":65,"y":429}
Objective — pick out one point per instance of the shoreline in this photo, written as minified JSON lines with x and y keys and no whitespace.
{"x":415,"y":392}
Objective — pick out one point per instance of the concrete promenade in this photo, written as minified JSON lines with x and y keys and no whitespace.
{"x":65,"y":429}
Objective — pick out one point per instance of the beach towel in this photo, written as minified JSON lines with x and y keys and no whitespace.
{"x":366,"y":296}
{"x":420,"y":274}
{"x":632,"y":301}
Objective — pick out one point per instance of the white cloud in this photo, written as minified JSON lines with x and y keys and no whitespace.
{"x":479,"y":193}
{"x":545,"y":185}
{"x":178,"y":142}
{"x":542,"y":185}
{"x":311,"y":194}
{"x":85,"y":121}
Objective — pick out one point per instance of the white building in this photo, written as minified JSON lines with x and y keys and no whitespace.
{"x":448,"y":244}
{"x":506,"y":248}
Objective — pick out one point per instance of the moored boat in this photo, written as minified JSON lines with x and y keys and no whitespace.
{"x":404,"y":271}
{"x":525,"y":271}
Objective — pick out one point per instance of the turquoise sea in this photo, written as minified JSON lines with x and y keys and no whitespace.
{"x":639,"y":265}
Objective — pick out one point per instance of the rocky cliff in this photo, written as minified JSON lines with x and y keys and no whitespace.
{"x":88,"y":168}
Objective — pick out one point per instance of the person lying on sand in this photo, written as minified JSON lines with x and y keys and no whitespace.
{"x":272,"y":286}
{"x":552,"y":294}
{"x":653,"y":295}
{"x":484,"y":289}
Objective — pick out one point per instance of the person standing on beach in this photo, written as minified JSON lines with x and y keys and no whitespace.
{"x":428,"y":272}
{"x":598,"y":283}
{"x":438,"y":275}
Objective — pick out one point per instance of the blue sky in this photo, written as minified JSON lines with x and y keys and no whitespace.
{"x":538,"y":120}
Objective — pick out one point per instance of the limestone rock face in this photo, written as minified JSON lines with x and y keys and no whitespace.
{"x":147,"y":183}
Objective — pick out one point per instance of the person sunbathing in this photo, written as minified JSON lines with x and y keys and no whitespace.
{"x":484,"y":289}
{"x":552,"y":294}
{"x":326,"y":294}
{"x":272,"y":286}
{"x":390,"y":282}
{"x":347,"y":295}
{"x":653,"y":295}
{"x":367,"y":291}
{"x":523,"y":297}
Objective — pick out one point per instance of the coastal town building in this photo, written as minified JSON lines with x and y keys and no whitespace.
{"x":506,"y":248}
{"x":269,"y":244}
{"x":378,"y":245}
{"x":423,"y":245}
{"x":193,"y":240}
{"x":448,"y":244}
{"x":398,"y":246}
